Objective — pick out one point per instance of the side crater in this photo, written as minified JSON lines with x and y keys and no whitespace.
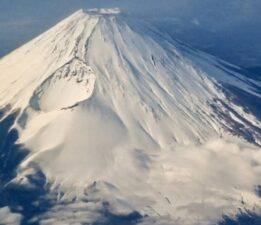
{"x":70,"y":84}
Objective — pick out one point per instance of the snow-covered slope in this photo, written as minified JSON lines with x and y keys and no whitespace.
{"x":113,"y":111}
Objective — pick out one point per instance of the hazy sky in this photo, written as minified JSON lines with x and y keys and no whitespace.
{"x":195,"y":21}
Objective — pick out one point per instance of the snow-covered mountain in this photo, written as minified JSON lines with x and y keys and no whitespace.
{"x":121,"y":121}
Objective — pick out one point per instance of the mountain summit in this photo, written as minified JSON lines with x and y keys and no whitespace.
{"x":111,"y":110}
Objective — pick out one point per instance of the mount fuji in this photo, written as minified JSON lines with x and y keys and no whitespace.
{"x":106,"y":120}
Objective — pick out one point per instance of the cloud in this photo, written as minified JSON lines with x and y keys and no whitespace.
{"x":185,"y":183}
{"x":9,"y":218}
{"x":195,"y":22}
{"x":20,"y":23}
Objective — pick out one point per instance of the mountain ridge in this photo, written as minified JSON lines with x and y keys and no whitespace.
{"x":114,"y":112}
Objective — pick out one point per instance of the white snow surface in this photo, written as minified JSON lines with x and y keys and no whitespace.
{"x":107,"y":100}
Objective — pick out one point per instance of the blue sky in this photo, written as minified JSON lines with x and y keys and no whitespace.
{"x":221,"y":27}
